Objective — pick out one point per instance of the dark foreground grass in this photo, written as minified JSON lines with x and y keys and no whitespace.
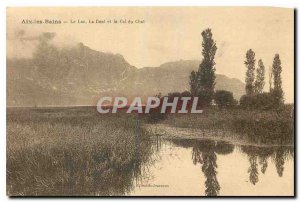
{"x":73,"y":151}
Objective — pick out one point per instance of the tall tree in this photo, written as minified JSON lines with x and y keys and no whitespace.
{"x":250,"y":65}
{"x":205,"y":77}
{"x":260,"y":78}
{"x":207,"y":69}
{"x":276,"y":70}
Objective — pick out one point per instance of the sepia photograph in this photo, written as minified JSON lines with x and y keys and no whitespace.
{"x":150,"y":101}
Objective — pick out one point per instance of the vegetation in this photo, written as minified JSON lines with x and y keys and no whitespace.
{"x":251,"y":126}
{"x":255,"y":97}
{"x":261,"y":116}
{"x":250,"y":65}
{"x":262,"y":101}
{"x":202,"y":82}
{"x":224,"y":98}
{"x":277,"y":91}
{"x":73,"y":151}
{"x":260,"y":78}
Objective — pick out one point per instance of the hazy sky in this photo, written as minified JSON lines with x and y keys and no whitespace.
{"x":167,"y":34}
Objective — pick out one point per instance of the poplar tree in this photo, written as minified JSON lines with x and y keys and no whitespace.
{"x":203,"y":82}
{"x":250,"y":65}
{"x":260,"y":78}
{"x":277,"y":91}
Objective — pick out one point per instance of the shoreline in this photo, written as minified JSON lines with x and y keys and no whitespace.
{"x":170,"y":132}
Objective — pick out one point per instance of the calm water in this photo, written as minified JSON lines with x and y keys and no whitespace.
{"x":204,"y":167}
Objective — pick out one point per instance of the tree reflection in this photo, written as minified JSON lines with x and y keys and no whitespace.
{"x":253,"y":170}
{"x":261,"y":155}
{"x":263,"y":161}
{"x":205,"y":153}
{"x":209,"y":169}
{"x":280,"y":155}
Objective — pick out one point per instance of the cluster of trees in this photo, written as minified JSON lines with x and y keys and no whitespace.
{"x":202,"y":82}
{"x":255,"y":96}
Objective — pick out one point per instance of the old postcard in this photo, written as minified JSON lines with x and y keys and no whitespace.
{"x":150,"y":101}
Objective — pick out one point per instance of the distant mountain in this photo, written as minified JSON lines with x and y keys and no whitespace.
{"x":78,"y":75}
{"x":70,"y":76}
{"x":174,"y":77}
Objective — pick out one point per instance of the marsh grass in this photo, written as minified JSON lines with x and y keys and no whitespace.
{"x":257,"y":126}
{"x":73,"y":151}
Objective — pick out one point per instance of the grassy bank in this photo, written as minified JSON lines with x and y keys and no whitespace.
{"x":73,"y":151}
{"x":257,"y":126}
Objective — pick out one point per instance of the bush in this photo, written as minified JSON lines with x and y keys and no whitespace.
{"x":174,"y":94}
{"x":224,"y":98}
{"x":178,"y":94}
{"x":246,"y":101}
{"x":264,"y":101}
{"x":186,"y":94}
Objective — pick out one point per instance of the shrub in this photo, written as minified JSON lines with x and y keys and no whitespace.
{"x":186,"y":94}
{"x":264,"y":101}
{"x":224,"y":98}
{"x":246,"y":101}
{"x":174,"y":94}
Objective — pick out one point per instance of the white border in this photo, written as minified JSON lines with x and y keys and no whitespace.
{"x":57,"y":3}
{"x":277,"y":3}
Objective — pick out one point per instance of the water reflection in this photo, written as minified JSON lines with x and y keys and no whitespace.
{"x":206,"y":153}
{"x":260,"y":155}
{"x":202,"y":163}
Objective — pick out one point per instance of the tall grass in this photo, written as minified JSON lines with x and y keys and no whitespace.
{"x":73,"y":151}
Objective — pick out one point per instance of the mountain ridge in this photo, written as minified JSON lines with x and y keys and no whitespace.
{"x":78,"y":75}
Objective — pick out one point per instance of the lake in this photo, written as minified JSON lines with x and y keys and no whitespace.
{"x":205,"y":167}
